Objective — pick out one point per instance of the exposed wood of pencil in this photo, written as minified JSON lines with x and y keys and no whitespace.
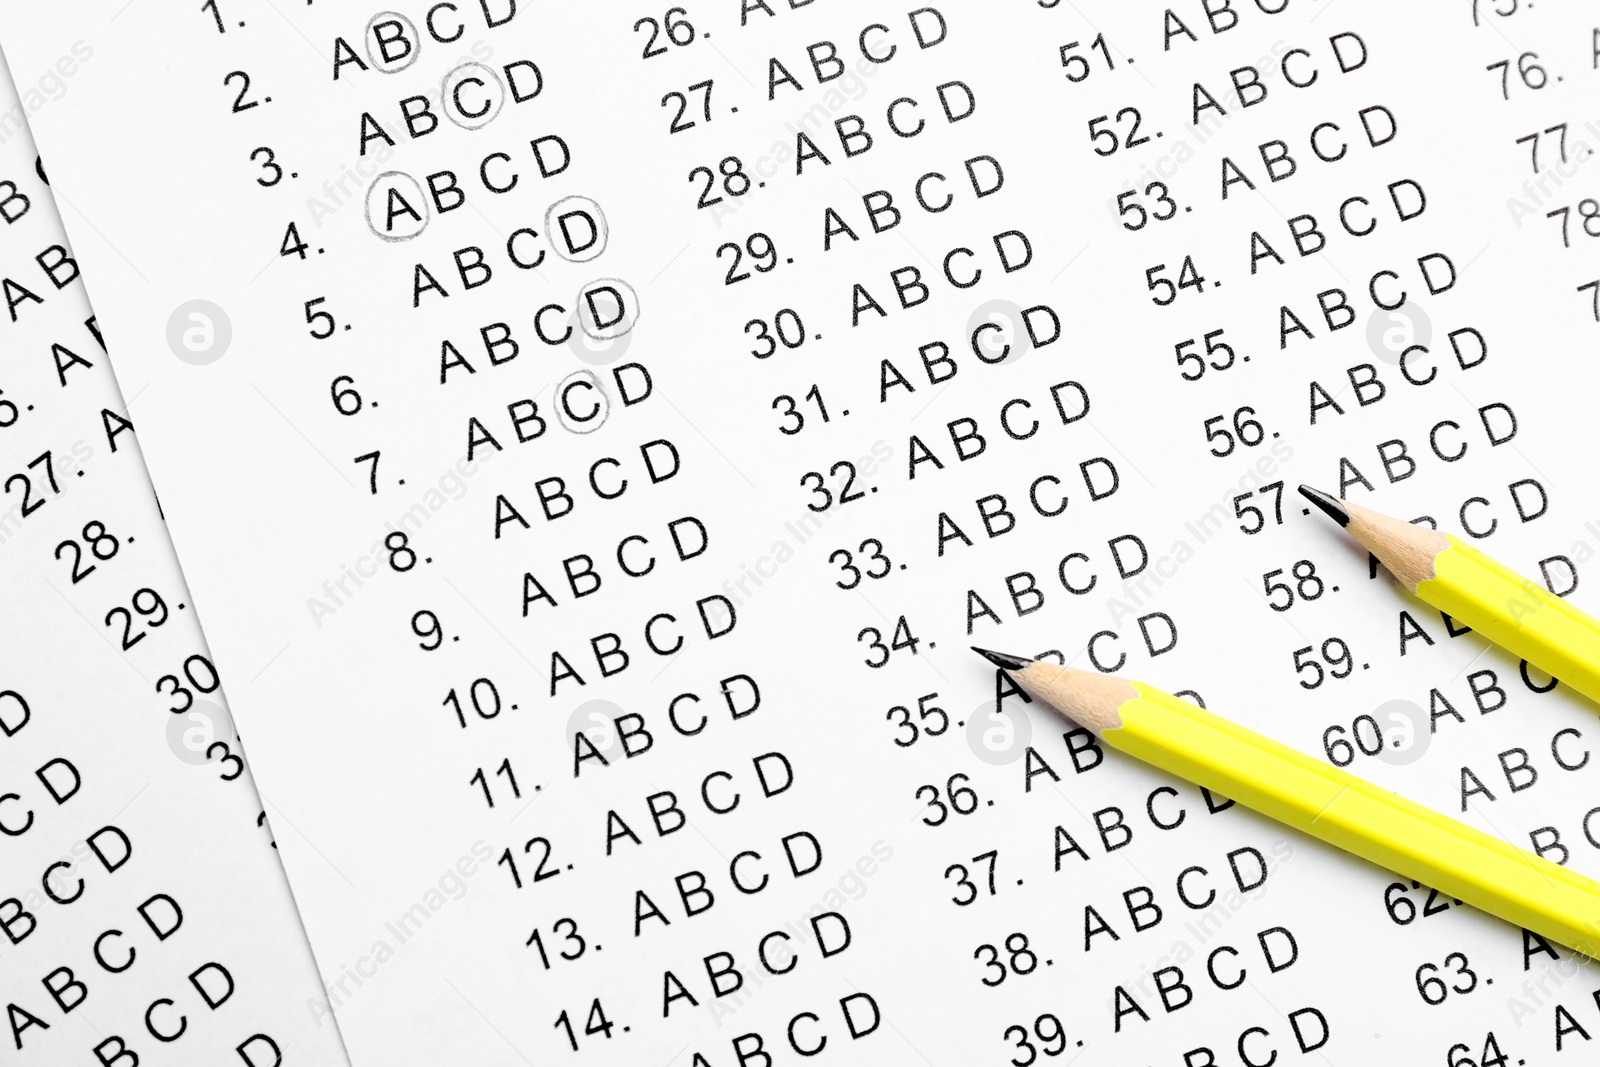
{"x":1087,"y":698}
{"x":1406,"y":550}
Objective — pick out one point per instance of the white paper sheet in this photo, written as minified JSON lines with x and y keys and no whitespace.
{"x":142,"y":906}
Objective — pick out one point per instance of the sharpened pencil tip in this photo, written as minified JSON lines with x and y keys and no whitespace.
{"x":1003,"y":660}
{"x":1329,"y":505}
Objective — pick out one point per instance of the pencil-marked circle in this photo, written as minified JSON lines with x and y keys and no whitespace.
{"x":998,"y":737}
{"x":386,"y":59}
{"x":396,"y":207}
{"x":576,"y":228}
{"x":582,"y":405}
{"x":472,"y":95}
{"x":1391,"y":332}
{"x":191,"y":733}
{"x":596,"y":721}
{"x":1406,"y":730}
{"x":607,"y":308}
{"x":198,"y":332}
{"x":998,"y":333}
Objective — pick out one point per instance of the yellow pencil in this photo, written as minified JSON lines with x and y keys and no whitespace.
{"x":1514,"y":612}
{"x":1325,"y":802}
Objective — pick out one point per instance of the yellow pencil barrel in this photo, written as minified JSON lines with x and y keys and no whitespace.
{"x":1517,"y":614}
{"x":1282,"y":783}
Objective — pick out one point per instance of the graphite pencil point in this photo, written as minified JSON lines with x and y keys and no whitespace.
{"x":1003,"y":660}
{"x":1330,"y":506}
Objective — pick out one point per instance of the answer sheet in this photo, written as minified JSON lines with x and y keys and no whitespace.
{"x":594,"y":435}
{"x":142,"y":904}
